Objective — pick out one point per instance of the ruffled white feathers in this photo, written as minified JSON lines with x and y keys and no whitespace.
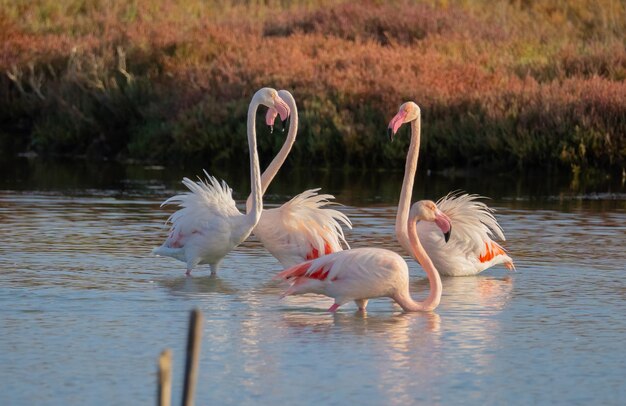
{"x":470,"y":249}
{"x":302,"y":228}
{"x":205,"y":197}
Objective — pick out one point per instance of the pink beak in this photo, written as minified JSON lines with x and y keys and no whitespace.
{"x":270,"y":116}
{"x":282,"y":108}
{"x":395,"y":123}
{"x":443,"y":222}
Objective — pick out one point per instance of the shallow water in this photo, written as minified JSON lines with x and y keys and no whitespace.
{"x":85,"y":309}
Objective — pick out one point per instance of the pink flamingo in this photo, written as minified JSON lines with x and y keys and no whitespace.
{"x":208,"y":225}
{"x":363,"y":273}
{"x":302,"y":228}
{"x":471,"y":250}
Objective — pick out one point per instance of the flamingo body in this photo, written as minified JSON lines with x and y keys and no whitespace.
{"x":351,"y":275}
{"x":208,"y":225}
{"x":470,"y":249}
{"x":302,"y":228}
{"x":363,"y":273}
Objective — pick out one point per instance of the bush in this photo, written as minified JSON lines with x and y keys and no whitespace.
{"x":500,"y":84}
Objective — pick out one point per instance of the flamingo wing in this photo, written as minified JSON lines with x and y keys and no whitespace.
{"x":348,"y":275}
{"x":471,"y":248}
{"x":303,"y":228}
{"x":473,"y":220}
{"x":206,"y":206}
{"x":325,"y":268}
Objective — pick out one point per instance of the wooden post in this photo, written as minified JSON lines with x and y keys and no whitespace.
{"x":165,"y":378}
{"x":194,"y":339}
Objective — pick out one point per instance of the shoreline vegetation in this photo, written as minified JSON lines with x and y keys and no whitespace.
{"x":502,"y":84}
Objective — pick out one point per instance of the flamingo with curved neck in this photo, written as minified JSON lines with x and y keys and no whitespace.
{"x":270,"y":172}
{"x":208,"y":224}
{"x":471,"y":250}
{"x":434,"y":296}
{"x":363,"y":273}
{"x":302,"y":228}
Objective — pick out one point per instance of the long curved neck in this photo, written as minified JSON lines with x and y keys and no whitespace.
{"x":253,"y":212}
{"x":434,"y":280}
{"x":278,"y":161}
{"x":402,"y":217}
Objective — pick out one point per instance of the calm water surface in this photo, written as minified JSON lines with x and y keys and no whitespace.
{"x":85,"y":309}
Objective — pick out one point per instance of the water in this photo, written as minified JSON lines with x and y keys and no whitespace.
{"x":85,"y":309}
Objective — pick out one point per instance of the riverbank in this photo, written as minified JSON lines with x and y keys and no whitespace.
{"x":500,"y":85}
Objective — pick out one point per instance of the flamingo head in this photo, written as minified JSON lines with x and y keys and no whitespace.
{"x":273,"y":112}
{"x":408,"y":112}
{"x":427,"y":210}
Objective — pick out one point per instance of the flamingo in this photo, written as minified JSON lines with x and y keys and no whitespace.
{"x":472,"y":249}
{"x":302,"y":228}
{"x":363,"y":273}
{"x":208,"y":225}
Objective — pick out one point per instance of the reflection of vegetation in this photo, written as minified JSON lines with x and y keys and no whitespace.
{"x":351,"y":186}
{"x":197,"y":286}
{"x":505,"y":83}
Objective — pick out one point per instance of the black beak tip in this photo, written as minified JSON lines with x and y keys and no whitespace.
{"x":390,"y":134}
{"x":271,"y":127}
{"x":446,"y":236}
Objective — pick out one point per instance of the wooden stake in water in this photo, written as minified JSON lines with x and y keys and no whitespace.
{"x":165,"y":378}
{"x":193,"y":355}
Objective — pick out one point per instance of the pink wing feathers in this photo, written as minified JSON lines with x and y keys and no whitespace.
{"x":319,"y":269}
{"x":315,"y":276}
{"x":348,"y":275}
{"x":310,"y":276}
{"x":494,"y":254}
{"x":302,"y":269}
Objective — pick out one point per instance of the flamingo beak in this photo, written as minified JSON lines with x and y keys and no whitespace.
{"x":443,"y":222}
{"x":285,"y":123}
{"x":395,"y":124}
{"x":282,"y":108}
{"x":446,"y":236}
{"x":270,"y":116}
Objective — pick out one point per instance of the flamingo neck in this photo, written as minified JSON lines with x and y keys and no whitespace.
{"x":253,"y":212}
{"x":278,"y":161}
{"x":404,"y":204}
{"x":417,"y":251}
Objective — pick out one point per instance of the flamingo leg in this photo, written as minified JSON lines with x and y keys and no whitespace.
{"x":191,"y":264}
{"x":361,"y":304}
{"x":333,"y":308}
{"x":214,"y":268}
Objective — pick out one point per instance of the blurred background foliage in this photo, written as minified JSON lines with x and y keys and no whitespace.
{"x":502,"y":84}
